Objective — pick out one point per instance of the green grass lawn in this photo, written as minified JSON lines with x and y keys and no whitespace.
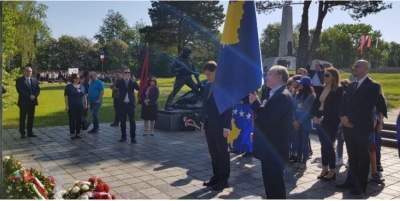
{"x":50,"y":111}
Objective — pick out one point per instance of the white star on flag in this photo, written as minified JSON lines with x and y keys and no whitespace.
{"x":241,"y":113}
{"x":235,"y":111}
{"x":248,"y":116}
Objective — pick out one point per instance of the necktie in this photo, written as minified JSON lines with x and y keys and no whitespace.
{"x":126,"y":82}
{"x":30,"y":85}
{"x":210,"y":91}
{"x":354,"y":89}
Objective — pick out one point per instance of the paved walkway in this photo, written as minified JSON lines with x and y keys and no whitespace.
{"x":173,"y":165}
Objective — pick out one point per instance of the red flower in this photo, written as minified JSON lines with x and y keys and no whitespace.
{"x":92,"y":180}
{"x":99,"y":180}
{"x":97,"y":196}
{"x":106,"y":197}
{"x":99,"y":188}
{"x":106,"y":188}
{"x":113,"y":197}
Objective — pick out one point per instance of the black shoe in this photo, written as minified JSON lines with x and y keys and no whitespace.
{"x":133,"y":140}
{"x":212,"y":182}
{"x":91,"y":131}
{"x":321,"y":177}
{"x":358,"y":191}
{"x":380,"y":168}
{"x":330,"y":179}
{"x":23,"y":136}
{"x":247,"y":154}
{"x":32,"y":135}
{"x":344,"y":185}
{"x":220,"y":186}
{"x":122,"y":140}
{"x":114,"y":125}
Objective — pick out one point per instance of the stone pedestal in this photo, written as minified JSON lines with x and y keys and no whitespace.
{"x":171,"y":120}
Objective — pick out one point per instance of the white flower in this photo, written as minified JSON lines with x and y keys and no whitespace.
{"x":10,"y":187}
{"x":85,"y":187}
{"x":75,"y":189}
{"x":85,"y":197}
{"x":76,"y":182}
{"x":5,"y":158}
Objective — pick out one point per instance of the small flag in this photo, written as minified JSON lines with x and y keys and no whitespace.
{"x":376,"y":46}
{"x":145,"y":72}
{"x":362,"y":41}
{"x":101,"y":57}
{"x":239,"y":69}
{"x":369,"y":38}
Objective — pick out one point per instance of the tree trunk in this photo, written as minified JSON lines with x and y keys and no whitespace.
{"x":303,"y":38}
{"x":322,"y":10}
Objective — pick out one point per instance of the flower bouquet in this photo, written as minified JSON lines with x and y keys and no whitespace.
{"x":21,"y":183}
{"x":91,"y":189}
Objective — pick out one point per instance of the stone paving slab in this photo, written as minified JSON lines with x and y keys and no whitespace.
{"x":173,"y":165}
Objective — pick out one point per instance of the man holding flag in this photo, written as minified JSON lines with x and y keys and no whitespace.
{"x":239,"y":73}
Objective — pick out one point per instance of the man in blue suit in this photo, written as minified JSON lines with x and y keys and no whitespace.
{"x":127,"y":103}
{"x":272,"y":129}
{"x":217,"y":128}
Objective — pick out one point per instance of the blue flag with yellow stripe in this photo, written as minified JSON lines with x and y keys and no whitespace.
{"x":239,"y":69}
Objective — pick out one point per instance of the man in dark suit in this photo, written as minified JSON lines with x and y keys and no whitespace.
{"x":127,"y":103}
{"x":28,"y":90}
{"x":357,"y":119}
{"x":217,"y":128}
{"x":272,"y":131}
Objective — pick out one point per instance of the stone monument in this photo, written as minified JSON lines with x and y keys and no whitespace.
{"x":286,"y":37}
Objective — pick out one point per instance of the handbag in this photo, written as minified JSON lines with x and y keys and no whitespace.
{"x":85,"y":123}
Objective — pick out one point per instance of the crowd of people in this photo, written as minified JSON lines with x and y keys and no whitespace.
{"x":289,"y":108}
{"x":64,"y":77}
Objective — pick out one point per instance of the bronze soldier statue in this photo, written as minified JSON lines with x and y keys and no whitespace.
{"x":184,"y":68}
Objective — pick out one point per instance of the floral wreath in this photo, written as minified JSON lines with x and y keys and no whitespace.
{"x":190,"y":121}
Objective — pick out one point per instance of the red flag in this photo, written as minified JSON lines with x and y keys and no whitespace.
{"x":369,"y":41}
{"x":145,"y":72}
{"x":362,"y":44}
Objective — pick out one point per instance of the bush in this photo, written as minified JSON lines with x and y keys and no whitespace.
{"x":9,"y":79}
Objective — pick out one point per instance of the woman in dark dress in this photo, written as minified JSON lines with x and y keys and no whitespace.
{"x":148,"y":100}
{"x":326,"y":120}
{"x":75,"y":103}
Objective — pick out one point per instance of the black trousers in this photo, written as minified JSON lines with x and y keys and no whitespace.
{"x":357,"y":151}
{"x":127,"y":110}
{"x":75,"y":119}
{"x":116,"y":110}
{"x":274,"y":180}
{"x":220,"y":159}
{"x":23,"y":112}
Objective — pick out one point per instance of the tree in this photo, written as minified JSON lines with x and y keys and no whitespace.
{"x":270,"y":37}
{"x":269,"y":41}
{"x":356,"y":9}
{"x":179,"y":23}
{"x":394,"y":54}
{"x":23,"y":27}
{"x":116,"y":53}
{"x":114,"y":26}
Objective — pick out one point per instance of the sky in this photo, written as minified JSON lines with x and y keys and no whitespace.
{"x":83,"y":18}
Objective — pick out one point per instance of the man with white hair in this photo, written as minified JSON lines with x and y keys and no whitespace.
{"x":356,"y":115}
{"x":272,"y":129}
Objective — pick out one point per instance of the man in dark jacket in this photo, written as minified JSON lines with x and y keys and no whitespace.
{"x":127,"y":103}
{"x":28,"y":90}
{"x":272,"y":129}
{"x":217,"y":128}
{"x":356,"y":116}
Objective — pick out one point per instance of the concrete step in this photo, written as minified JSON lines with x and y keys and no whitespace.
{"x":389,"y":142}
{"x":389,"y":126}
{"x":389,"y":134}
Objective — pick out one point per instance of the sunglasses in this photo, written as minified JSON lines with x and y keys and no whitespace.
{"x":152,"y":80}
{"x":327,"y":75}
{"x":127,"y":72}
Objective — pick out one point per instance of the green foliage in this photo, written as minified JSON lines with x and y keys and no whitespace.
{"x":116,"y":54}
{"x":115,"y":26}
{"x":10,"y":98}
{"x":179,"y":23}
{"x":20,"y":189}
